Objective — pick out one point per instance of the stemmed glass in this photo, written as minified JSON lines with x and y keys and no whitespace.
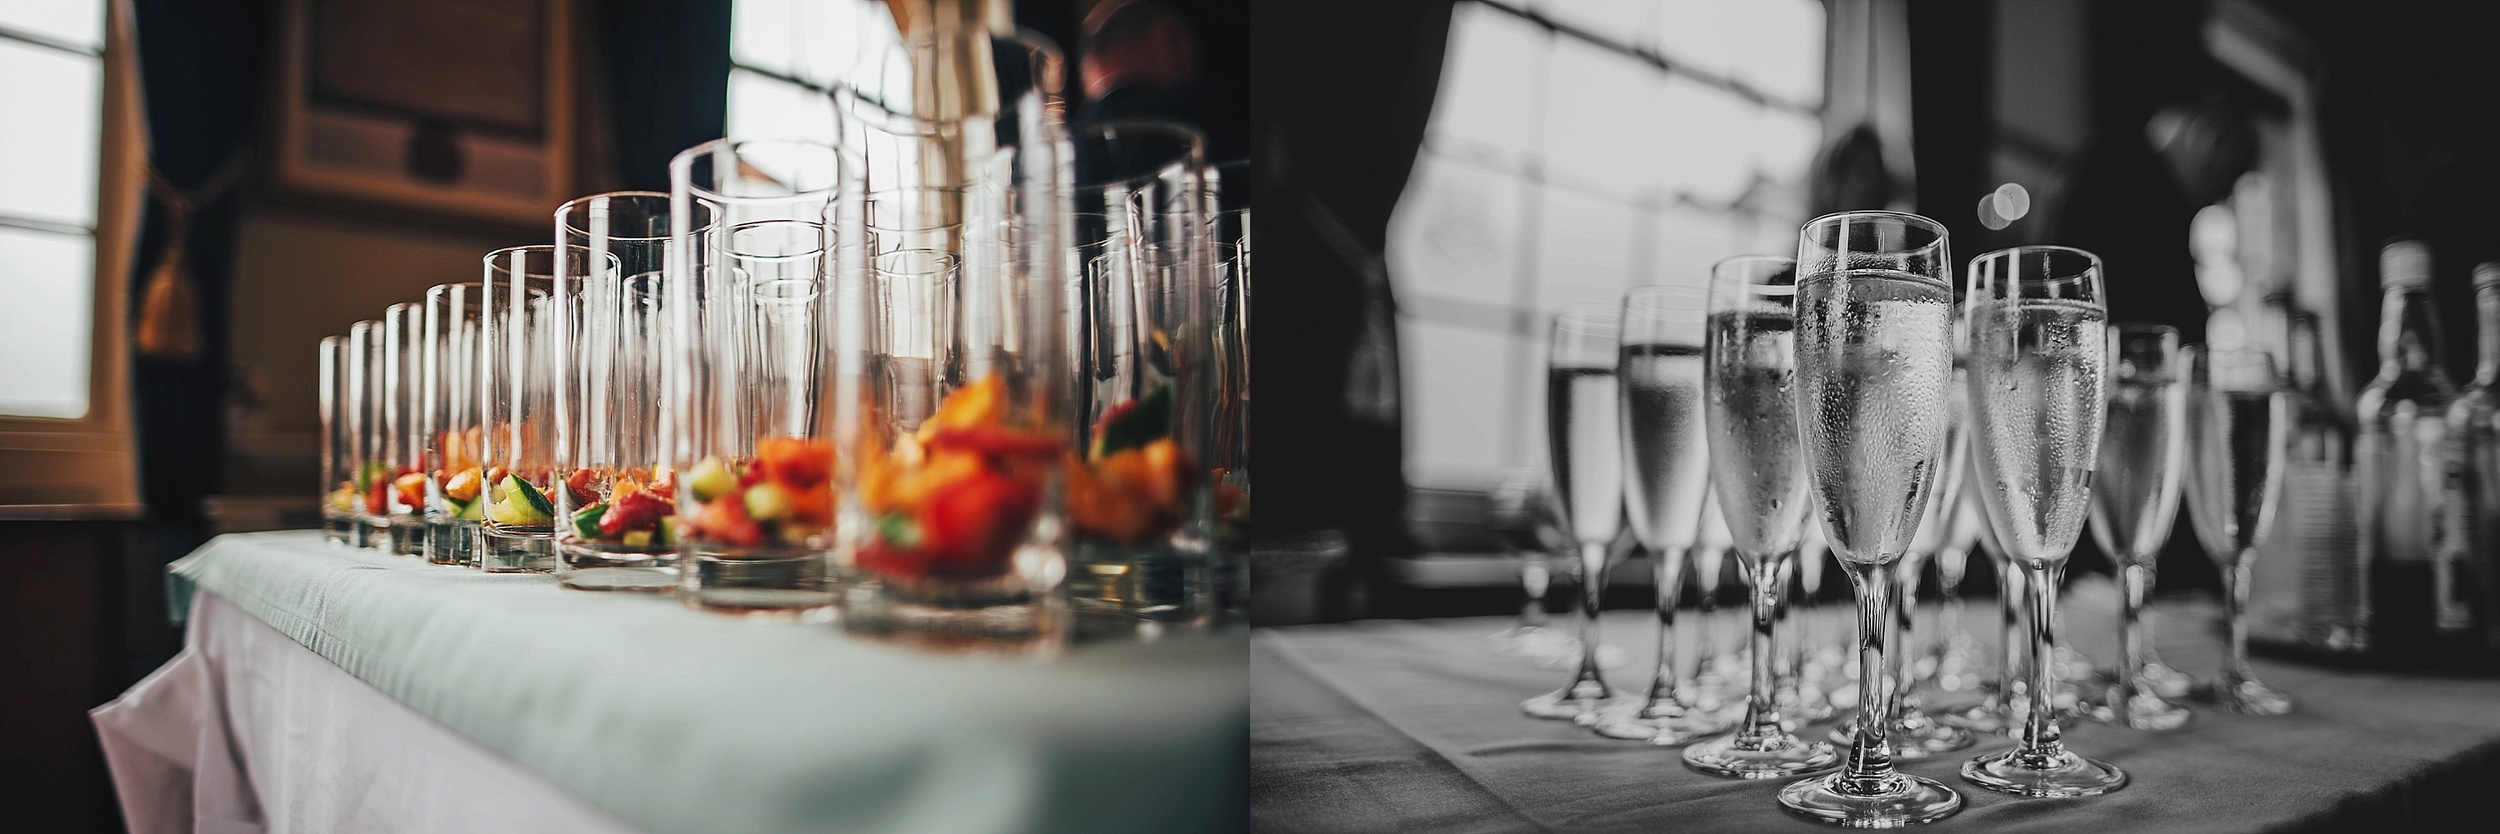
{"x":1803,"y":699}
{"x":1962,"y":522}
{"x":1916,"y":734}
{"x":1707,"y":564}
{"x":2240,"y":416}
{"x":1523,"y":514}
{"x":1757,"y":472}
{"x":2039,"y":356}
{"x":1659,"y":367}
{"x":2143,"y":453}
{"x":1999,"y":701}
{"x":1586,"y":453}
{"x":1874,"y":359}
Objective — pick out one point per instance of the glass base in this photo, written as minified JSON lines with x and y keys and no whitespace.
{"x":2250,"y":697}
{"x":451,"y":543}
{"x":591,"y":569}
{"x":515,"y":552}
{"x":1535,"y":642}
{"x":1155,"y":582}
{"x":790,"y":585}
{"x":340,"y":531}
{"x":408,"y":536}
{"x":374,"y":532}
{"x":1914,"y":736}
{"x":1570,"y":703}
{"x":1773,"y":756}
{"x":1896,"y":801}
{"x":2148,"y":710}
{"x":1035,"y":628}
{"x":1665,"y":723}
{"x":2064,"y":774}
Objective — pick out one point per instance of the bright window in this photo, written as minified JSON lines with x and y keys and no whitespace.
{"x":785,"y":54}
{"x":52,"y":94}
{"x":1566,"y":165}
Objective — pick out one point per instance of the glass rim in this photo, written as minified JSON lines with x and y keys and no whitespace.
{"x":728,"y":242}
{"x":2092,"y":262}
{"x":1586,"y":317}
{"x":681,"y":170}
{"x":1905,"y":218}
{"x":564,"y":213}
{"x":495,"y":260}
{"x":944,"y":263}
{"x":1191,"y":154}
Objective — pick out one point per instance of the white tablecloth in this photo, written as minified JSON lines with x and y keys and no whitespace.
{"x":248,"y":731}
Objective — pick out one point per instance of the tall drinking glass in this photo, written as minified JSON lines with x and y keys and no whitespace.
{"x":1874,"y":361}
{"x":1667,"y":470}
{"x":370,"y":472}
{"x":455,"y":316}
{"x":2039,"y":355}
{"x":2143,"y":455}
{"x":2239,"y":417}
{"x":1585,"y":449}
{"x":403,"y":435}
{"x":616,"y":528}
{"x":518,"y":390}
{"x":1749,"y":381}
{"x":338,"y":488}
{"x":758,"y":375}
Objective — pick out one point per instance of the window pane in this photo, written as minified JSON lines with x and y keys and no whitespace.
{"x":80,"y":22}
{"x":1489,"y":83}
{"x":50,"y":133}
{"x":1462,"y":398}
{"x":47,"y":293}
{"x":760,"y":34}
{"x":1775,"y":45}
{"x":1690,"y":239}
{"x":766,"y":108}
{"x":1456,"y":232}
{"x":1708,"y":149}
{"x":1602,"y":128}
{"x":1622,"y":21}
{"x":1584,"y":249}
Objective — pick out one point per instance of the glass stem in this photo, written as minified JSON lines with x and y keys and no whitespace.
{"x":1904,"y":605}
{"x":1762,"y":714}
{"x":2040,"y":740}
{"x":1534,"y":577}
{"x":2137,"y":581}
{"x":1590,"y":684}
{"x":1670,"y":577}
{"x":2235,"y":670}
{"x":1870,"y":751}
{"x":2010,"y":637}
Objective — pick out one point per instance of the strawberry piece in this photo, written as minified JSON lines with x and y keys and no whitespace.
{"x":725,"y":520}
{"x":633,"y":511}
{"x":972,"y":529}
{"x":377,"y":496}
{"x":583,"y":485}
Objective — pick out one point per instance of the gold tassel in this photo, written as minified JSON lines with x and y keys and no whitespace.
{"x":169,"y":315}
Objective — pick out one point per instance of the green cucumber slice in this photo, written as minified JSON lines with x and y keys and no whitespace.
{"x":537,"y":501}
{"x":586,"y":522}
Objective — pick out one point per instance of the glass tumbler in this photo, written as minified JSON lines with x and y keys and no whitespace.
{"x":338,"y":489}
{"x":616,"y":513}
{"x":370,"y":474}
{"x":761,"y":375}
{"x":518,"y":378}
{"x":455,"y":319}
{"x":1143,"y":522}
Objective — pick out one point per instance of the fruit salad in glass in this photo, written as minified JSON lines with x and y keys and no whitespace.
{"x":1134,"y":482}
{"x":460,"y":480}
{"x":631,"y":509}
{"x":516,"y":499}
{"x":955,"y":499}
{"x":780,"y":498}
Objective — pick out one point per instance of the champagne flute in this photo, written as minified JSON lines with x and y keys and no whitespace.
{"x":2000,"y":699}
{"x":1803,"y":699}
{"x":1660,"y":366}
{"x":2240,"y":417}
{"x":2038,"y":388}
{"x":1758,"y":478}
{"x":1916,"y":734}
{"x":1707,"y":566}
{"x":2143,"y":453}
{"x":1524,"y":516}
{"x":1586,"y":452}
{"x":1963,"y":520}
{"x":1874,"y":357}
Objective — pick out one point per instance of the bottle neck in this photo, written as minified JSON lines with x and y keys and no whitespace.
{"x":2487,"y":336}
{"x":2408,"y":339}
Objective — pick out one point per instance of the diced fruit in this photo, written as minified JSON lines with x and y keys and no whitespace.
{"x":370,"y":474}
{"x":973,"y":529}
{"x":635,"y":510}
{"x":520,"y":504}
{"x":711,"y":479}
{"x":583,"y":485}
{"x":1134,"y":423}
{"x":766,"y":502}
{"x":537,"y":500}
{"x":463,"y":486}
{"x":664,"y":482}
{"x":794,"y":462}
{"x":411,"y":488}
{"x":376,"y":491}
{"x":586,"y":522}
{"x":898,"y":529}
{"x":638,"y":538}
{"x":468,"y":510}
{"x":993,"y":440}
{"x":726,"y":521}
{"x":343,"y":499}
{"x":496,"y":474}
{"x":668,"y":530}
{"x":982,"y":403}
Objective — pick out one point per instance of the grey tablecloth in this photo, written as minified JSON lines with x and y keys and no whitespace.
{"x":1414,"y":726}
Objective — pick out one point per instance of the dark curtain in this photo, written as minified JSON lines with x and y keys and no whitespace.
{"x":1343,"y":93}
{"x":203,"y":69}
{"x":667,"y":64}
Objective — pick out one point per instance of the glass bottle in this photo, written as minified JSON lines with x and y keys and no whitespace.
{"x":2462,"y":575}
{"x":2307,"y":588}
{"x":2403,"y":422}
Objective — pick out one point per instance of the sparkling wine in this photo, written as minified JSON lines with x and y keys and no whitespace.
{"x":2143,"y":454}
{"x":2040,"y":402}
{"x":1936,"y":530}
{"x":2240,"y":439}
{"x":1758,"y":469}
{"x":1587,"y":449}
{"x":1871,"y":401}
{"x":1662,"y":429}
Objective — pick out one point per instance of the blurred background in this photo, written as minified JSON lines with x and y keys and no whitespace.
{"x":193,"y":194}
{"x":1463,"y":168}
